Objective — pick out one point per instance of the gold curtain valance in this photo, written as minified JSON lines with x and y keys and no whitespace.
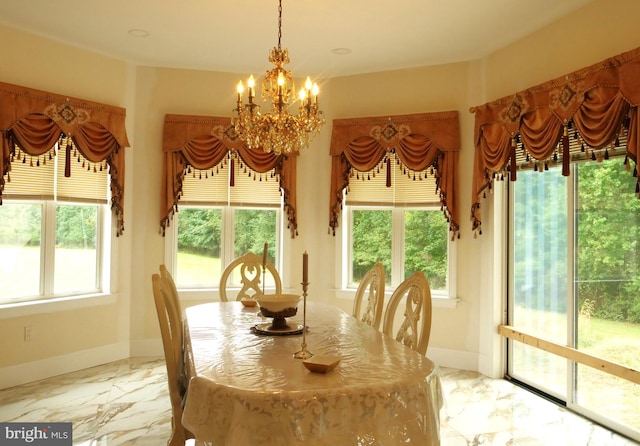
{"x":35,"y":120}
{"x":598,"y":103}
{"x":202,"y":142}
{"x":419,"y":140}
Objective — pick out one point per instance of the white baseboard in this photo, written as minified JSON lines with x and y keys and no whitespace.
{"x":490,"y":366}
{"x":58,"y":365}
{"x":455,"y":359}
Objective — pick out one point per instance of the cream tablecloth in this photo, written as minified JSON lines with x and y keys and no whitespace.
{"x":248,"y":390}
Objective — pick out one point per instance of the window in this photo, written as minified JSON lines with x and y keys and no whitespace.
{"x":218,"y":222}
{"x":52,"y":228}
{"x":403,"y":240}
{"x":204,"y":247}
{"x":574,"y":280}
{"x":400,"y":226}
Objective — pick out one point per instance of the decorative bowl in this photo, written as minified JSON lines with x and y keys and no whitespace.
{"x":279,"y":307}
{"x":276,"y":303}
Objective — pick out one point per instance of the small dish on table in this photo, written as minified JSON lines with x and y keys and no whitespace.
{"x":248,"y":302}
{"x":321,"y":364}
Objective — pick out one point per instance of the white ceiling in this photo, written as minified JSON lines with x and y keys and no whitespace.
{"x":236,"y":35}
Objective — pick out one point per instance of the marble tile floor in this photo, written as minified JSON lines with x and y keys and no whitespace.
{"x":126,"y":403}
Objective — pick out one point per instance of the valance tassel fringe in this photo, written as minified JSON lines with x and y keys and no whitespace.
{"x":566,"y":160}
{"x":67,"y":162}
{"x":513,"y":167}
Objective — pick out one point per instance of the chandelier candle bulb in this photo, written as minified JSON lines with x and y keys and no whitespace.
{"x":250,"y":84}
{"x":240,"y":90}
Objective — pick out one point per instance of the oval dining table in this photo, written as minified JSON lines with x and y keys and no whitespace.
{"x":247,"y":389}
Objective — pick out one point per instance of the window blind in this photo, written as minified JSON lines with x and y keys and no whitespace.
{"x":408,"y":188}
{"x":43,"y":177}
{"x":31,"y":178}
{"x":212,"y":187}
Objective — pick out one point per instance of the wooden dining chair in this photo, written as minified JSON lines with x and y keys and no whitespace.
{"x":371,"y":287}
{"x":172,"y":331}
{"x":249,"y":267}
{"x":416,"y":322}
{"x":166,"y":277}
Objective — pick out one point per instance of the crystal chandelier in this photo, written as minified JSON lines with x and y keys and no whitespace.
{"x":278,"y":131}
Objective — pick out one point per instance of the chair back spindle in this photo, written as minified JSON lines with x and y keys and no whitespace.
{"x":415,"y":328}
{"x":249,"y":268}
{"x":371,"y":291}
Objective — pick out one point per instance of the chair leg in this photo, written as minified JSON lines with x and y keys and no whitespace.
{"x":178,"y":435}
{"x":177,"y":439}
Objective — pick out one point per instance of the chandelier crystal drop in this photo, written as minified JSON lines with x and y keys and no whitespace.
{"x":278,"y":131}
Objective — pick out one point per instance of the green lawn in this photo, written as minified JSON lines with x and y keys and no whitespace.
{"x":200,"y":270}
{"x":619,"y":342}
{"x":616,"y":341}
{"x":18,"y":275}
{"x":196,"y":269}
{"x":20,"y":271}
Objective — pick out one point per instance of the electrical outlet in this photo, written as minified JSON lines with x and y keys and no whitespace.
{"x":28,"y":333}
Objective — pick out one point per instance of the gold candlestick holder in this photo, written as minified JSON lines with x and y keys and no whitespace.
{"x":303,"y":353}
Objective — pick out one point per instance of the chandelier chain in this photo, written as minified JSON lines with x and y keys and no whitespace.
{"x":279,"y":23}
{"x":279,"y":130}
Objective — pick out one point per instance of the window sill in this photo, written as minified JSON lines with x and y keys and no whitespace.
{"x":209,"y":294}
{"x":437,"y":300}
{"x":54,"y":305}
{"x":198,"y":294}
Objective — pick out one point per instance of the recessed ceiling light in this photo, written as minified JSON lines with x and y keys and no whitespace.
{"x":341,"y":51}
{"x":138,"y":32}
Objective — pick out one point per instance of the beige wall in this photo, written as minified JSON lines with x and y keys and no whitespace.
{"x":423,"y":90}
{"x":160,"y":91}
{"x":598,"y":31}
{"x":79,"y":332}
{"x":463,"y":336}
